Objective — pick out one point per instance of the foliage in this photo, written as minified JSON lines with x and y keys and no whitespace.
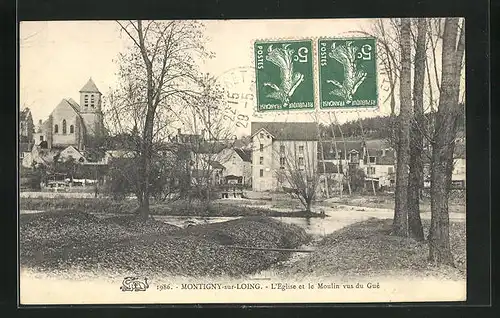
{"x":357,"y":179}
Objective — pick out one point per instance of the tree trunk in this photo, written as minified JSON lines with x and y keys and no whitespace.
{"x":442,"y":151}
{"x":400,"y":225}
{"x":308,"y":206}
{"x":416,"y":140}
{"x":147,"y":136}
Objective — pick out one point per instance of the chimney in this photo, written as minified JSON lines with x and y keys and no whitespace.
{"x":178,"y":131}
{"x":40,"y":121}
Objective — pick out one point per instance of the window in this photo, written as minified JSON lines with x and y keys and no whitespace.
{"x":261,"y":147}
{"x":390,"y":170}
{"x":64,"y":126}
{"x":282,"y":161}
{"x":41,"y":138}
{"x":86,"y":102}
{"x":282,"y":149}
{"x":372,"y":159}
{"x":301,"y":161}
{"x":56,"y":129}
{"x":92,"y":100}
{"x":261,"y":160}
{"x":71,"y":129}
{"x":301,"y":149}
{"x":261,"y":172}
{"x":370,"y":170}
{"x":262,"y":135}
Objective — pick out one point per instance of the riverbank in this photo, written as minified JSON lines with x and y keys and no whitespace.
{"x":366,"y":249}
{"x":75,"y":240}
{"x":218,"y":208}
{"x":456,"y":203}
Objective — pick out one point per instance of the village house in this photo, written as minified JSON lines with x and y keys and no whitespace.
{"x":374,"y":157}
{"x":26,"y":130}
{"x":238,"y":166}
{"x":296,"y":145}
{"x":69,"y":125}
{"x":26,"y":127}
{"x":273,"y":143}
{"x":214,"y":162}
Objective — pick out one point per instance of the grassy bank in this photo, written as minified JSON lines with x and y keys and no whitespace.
{"x":77,"y":240}
{"x":367,"y":248}
{"x":176,"y":208}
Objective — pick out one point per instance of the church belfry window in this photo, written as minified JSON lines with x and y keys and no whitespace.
{"x":92,"y":100}
{"x":71,"y":129}
{"x":64,"y":126}
{"x":86,"y":100}
{"x":56,"y":129}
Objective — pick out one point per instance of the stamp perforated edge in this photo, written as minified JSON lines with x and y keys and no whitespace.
{"x":351,"y":109}
{"x":317,"y":109}
{"x":284,"y":39}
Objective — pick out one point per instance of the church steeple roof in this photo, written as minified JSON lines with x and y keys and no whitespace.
{"x":90,"y":87}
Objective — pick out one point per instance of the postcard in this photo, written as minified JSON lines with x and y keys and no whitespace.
{"x":242,"y":161}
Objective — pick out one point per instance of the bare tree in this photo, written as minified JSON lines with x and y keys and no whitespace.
{"x":453,"y":49}
{"x":343,"y":167}
{"x":400,"y":225}
{"x":416,"y":180}
{"x":208,"y":120}
{"x":386,"y":31}
{"x":298,"y":172}
{"x":160,"y":67}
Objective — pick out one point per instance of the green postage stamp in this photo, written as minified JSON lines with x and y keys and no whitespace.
{"x":347,"y":73}
{"x":284,"y":75}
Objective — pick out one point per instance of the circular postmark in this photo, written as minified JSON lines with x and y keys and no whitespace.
{"x":239,"y":97}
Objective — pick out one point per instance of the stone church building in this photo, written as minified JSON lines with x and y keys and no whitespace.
{"x":70,"y":123}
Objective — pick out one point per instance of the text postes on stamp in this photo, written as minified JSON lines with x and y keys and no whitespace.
{"x":284,"y":75}
{"x":347,"y":73}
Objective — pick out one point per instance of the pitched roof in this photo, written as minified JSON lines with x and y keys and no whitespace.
{"x":24,"y":114}
{"x":342,"y":147}
{"x":210,"y":147}
{"x":383,"y":158}
{"x":90,"y":87}
{"x":245,"y":155}
{"x":216,"y":164}
{"x":73,"y":104}
{"x":287,"y":130}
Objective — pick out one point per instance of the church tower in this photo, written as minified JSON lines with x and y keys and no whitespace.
{"x":90,"y":108}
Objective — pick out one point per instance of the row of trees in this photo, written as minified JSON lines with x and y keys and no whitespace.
{"x":410,"y":48}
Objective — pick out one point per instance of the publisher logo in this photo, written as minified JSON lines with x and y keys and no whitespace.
{"x":134,"y":284}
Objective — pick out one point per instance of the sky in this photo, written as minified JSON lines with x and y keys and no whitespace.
{"x":58,"y":57}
